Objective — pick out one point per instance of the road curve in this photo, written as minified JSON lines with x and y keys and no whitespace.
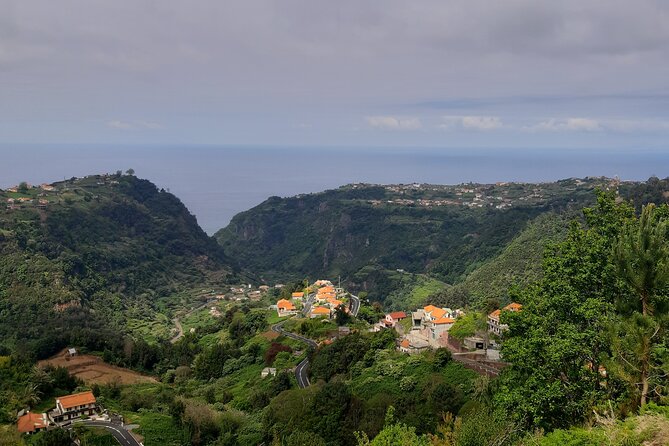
{"x":120,"y":433}
{"x":301,"y":371}
{"x":355,"y":305}
{"x":177,"y":322}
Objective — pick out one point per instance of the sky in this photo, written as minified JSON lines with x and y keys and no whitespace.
{"x":531,"y":74}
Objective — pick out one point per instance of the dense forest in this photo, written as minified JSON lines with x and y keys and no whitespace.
{"x":467,"y":235}
{"x":80,"y":258}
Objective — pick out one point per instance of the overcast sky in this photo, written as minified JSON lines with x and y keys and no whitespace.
{"x":485,"y":73}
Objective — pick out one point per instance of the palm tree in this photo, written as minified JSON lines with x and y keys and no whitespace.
{"x":642,"y":258}
{"x":29,"y":396}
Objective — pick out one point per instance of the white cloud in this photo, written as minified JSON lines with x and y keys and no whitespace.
{"x":566,"y":125}
{"x":478,"y":123}
{"x":393,"y":123}
{"x":119,"y":125}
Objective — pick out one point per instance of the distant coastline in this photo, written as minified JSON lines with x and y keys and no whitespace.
{"x":216,"y":183}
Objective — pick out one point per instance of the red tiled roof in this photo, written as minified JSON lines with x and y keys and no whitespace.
{"x":397,"y":315}
{"x":405,"y":343}
{"x":78,"y":399}
{"x":30,"y":422}
{"x":443,"y":320}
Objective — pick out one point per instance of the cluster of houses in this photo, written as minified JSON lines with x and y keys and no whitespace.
{"x":494,"y":325}
{"x":326,"y":300}
{"x":68,"y":408}
{"x":429,"y":327}
{"x":38,"y":202}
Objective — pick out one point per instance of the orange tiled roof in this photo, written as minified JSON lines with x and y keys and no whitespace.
{"x":513,"y":307}
{"x":495,"y":314}
{"x":443,"y":320}
{"x":298,"y":294}
{"x":405,"y":343}
{"x":285,"y":304}
{"x":435,"y":312}
{"x":30,"y":422}
{"x":78,"y":399}
{"x":398,"y":315}
{"x":320,"y":310}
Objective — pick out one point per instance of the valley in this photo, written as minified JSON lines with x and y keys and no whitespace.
{"x":245,"y":338}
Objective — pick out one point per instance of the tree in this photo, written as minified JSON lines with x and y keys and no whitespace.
{"x":130,"y":172}
{"x":558,"y":341}
{"x":342,"y":317}
{"x":394,"y":434}
{"x":642,"y":258}
{"x":54,"y":437}
{"x":301,"y":438}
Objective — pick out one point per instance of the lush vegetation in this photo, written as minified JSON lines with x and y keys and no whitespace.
{"x":587,"y":354}
{"x":345,"y":231}
{"x":100,"y":260}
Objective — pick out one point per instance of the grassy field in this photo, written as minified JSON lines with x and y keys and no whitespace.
{"x":159,"y":429}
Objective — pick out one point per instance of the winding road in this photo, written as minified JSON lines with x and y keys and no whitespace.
{"x":177,"y":322}
{"x":120,"y":433}
{"x":302,"y":369}
{"x":355,"y":305}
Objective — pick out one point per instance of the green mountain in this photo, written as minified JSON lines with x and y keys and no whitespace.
{"x":85,"y":258}
{"x":518,"y":264}
{"x":446,"y":231}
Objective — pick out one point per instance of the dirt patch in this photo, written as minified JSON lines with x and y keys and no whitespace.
{"x":93,"y":370}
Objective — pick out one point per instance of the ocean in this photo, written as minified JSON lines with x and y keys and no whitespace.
{"x":215,"y":183}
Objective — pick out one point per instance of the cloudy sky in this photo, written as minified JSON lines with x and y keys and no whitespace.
{"x":457,"y":73}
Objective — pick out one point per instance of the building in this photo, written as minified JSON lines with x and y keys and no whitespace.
{"x":267,"y":371}
{"x":285,"y":308}
{"x":393,"y":318}
{"x":31,"y":423}
{"x":412,"y":345}
{"x":494,"y":325}
{"x":438,"y":327}
{"x":320,"y":312}
{"x":297,"y":295}
{"x":73,"y":406}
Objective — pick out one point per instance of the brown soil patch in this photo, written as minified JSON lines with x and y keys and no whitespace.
{"x":93,"y":370}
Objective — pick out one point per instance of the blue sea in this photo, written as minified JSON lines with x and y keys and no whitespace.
{"x":218,"y":182}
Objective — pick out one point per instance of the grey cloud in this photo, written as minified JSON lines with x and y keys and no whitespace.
{"x":330,"y":61}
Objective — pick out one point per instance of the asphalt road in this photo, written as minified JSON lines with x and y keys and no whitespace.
{"x":355,"y":305}
{"x":177,"y":322}
{"x":301,"y":371}
{"x":307,"y":305}
{"x":119,"y":432}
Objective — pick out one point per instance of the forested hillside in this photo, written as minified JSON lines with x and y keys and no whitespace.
{"x":81,"y":258}
{"x":482,"y":239}
{"x":364,"y":231}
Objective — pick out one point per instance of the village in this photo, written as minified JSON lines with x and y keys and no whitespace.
{"x":40,"y":197}
{"x":419,"y":330}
